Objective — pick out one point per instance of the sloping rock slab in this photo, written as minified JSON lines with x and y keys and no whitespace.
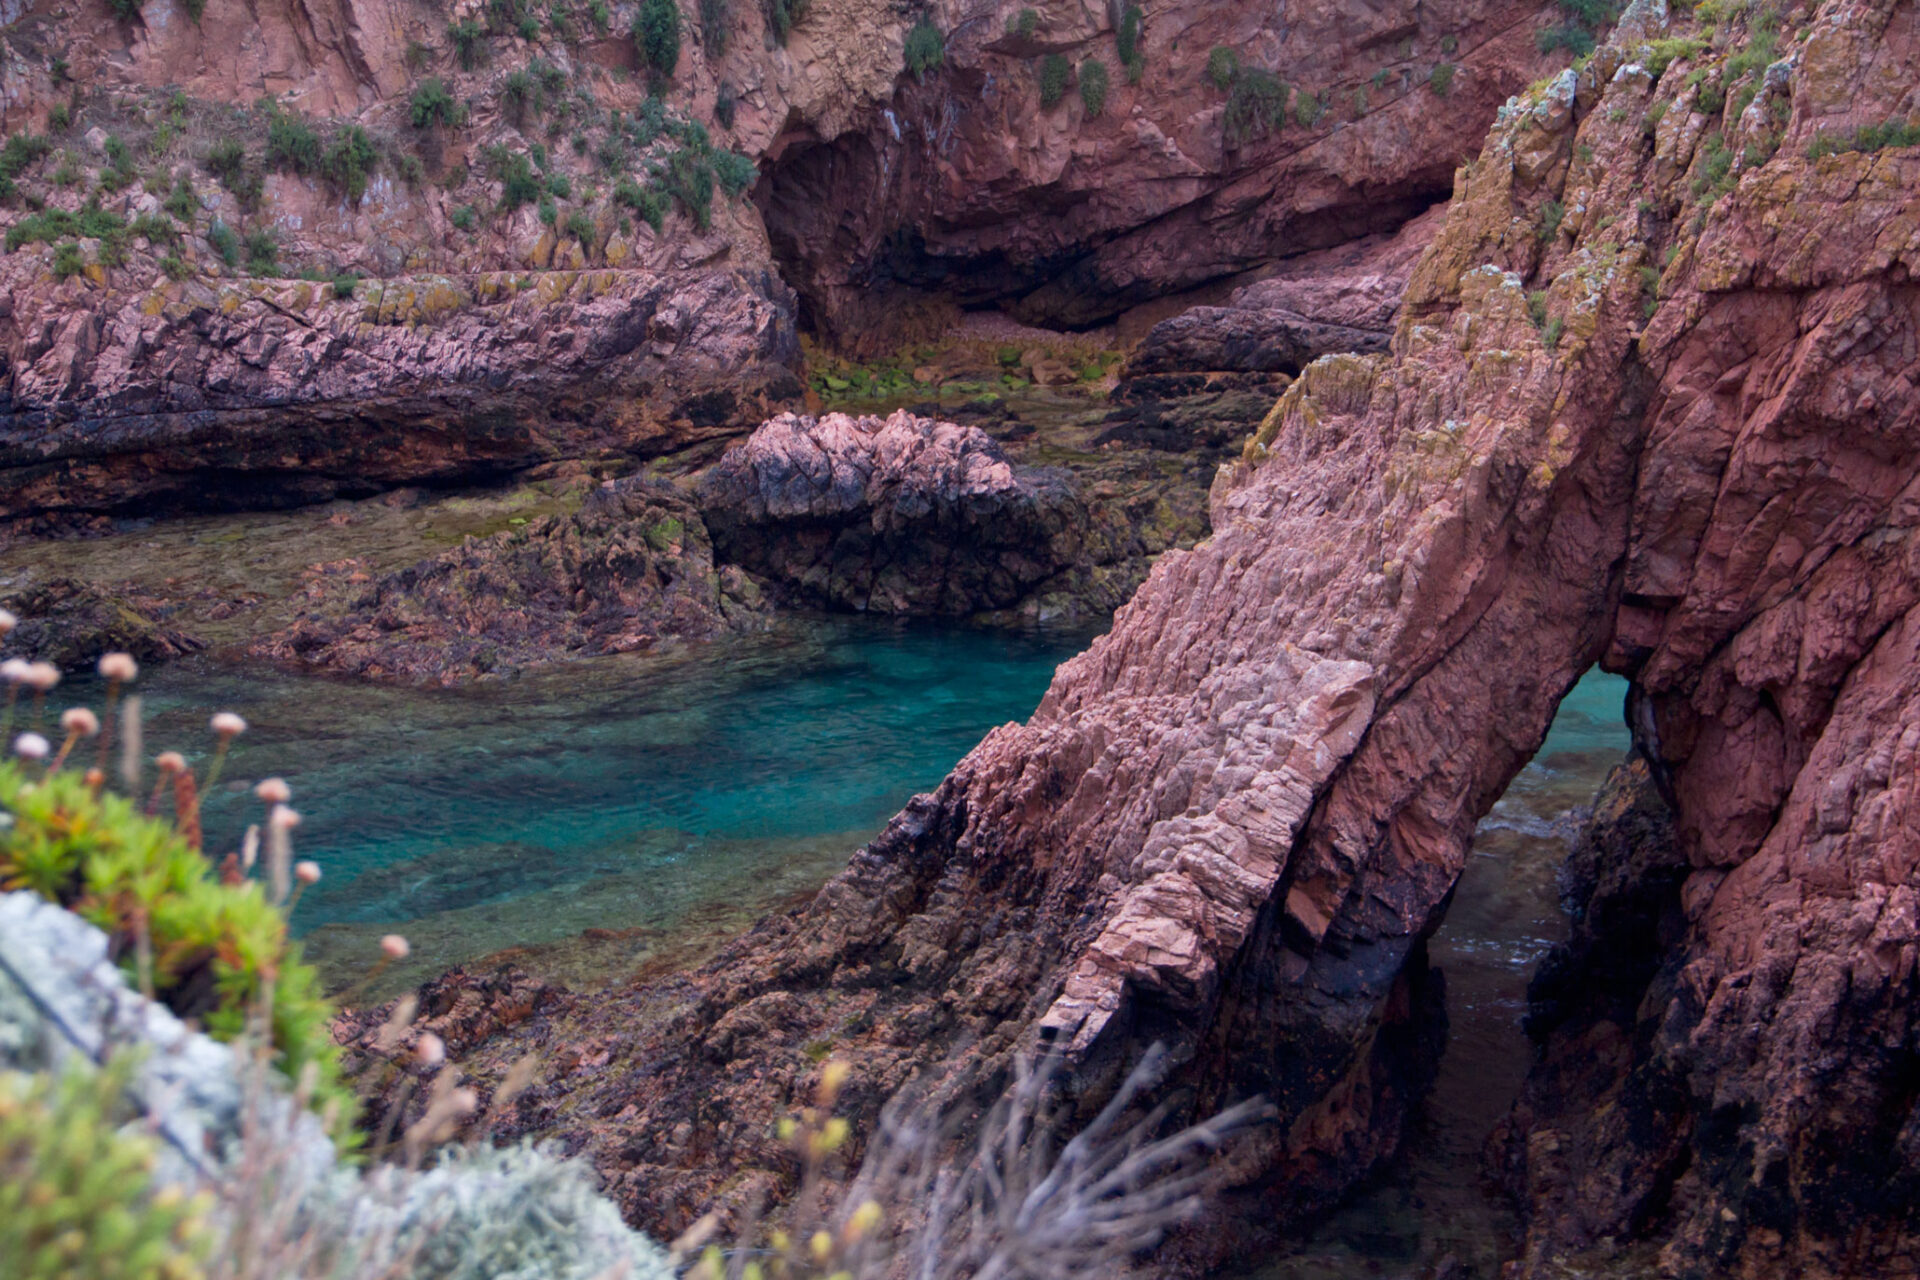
{"x":1246,"y":340}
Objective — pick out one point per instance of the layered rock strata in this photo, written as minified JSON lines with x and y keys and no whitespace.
{"x":197,"y":395}
{"x":1649,"y":404}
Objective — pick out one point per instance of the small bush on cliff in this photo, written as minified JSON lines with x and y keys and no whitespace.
{"x":713,"y":27}
{"x":181,"y":202}
{"x":723,"y":106}
{"x":345,"y":285}
{"x":519,"y":185}
{"x":156,"y":229}
{"x":68,"y":260}
{"x":125,"y":10}
{"x":926,"y":48}
{"x":19,"y":153}
{"x":119,"y":173}
{"x":689,"y":179}
{"x":1223,"y":67}
{"x":579,"y":225}
{"x":647,"y":203}
{"x":1869,"y":137}
{"x":467,"y":39}
{"x":349,"y":161}
{"x":1127,"y":38}
{"x":263,"y":252}
{"x":465,"y":217}
{"x":1055,"y":74}
{"x":735,"y":172}
{"x":433,"y":104}
{"x":1256,"y":107}
{"x":292,"y":143}
{"x":1552,"y":213}
{"x":656,"y":36}
{"x":784,"y":15}
{"x":221,"y":239}
{"x":76,"y":1185}
{"x":1576,"y":40}
{"x":1093,"y":86}
{"x":1441,"y":81}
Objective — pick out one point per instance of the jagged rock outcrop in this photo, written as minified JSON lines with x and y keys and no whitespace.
{"x":1232,"y":822}
{"x":631,"y":567}
{"x":896,"y":515}
{"x":71,"y":623}
{"x":255,"y":393}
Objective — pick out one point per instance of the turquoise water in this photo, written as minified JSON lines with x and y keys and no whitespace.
{"x":1432,"y":1205}
{"x":622,"y":794}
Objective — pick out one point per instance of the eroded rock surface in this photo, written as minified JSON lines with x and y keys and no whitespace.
{"x":899,"y":515}
{"x":1232,"y":822}
{"x":71,"y":623}
{"x":631,"y":567}
{"x":204,"y":395}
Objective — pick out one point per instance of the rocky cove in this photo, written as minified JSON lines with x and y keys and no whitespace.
{"x":1396,"y":391}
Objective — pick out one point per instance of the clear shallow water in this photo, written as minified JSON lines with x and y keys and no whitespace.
{"x":1505,"y":915}
{"x":636,"y":797}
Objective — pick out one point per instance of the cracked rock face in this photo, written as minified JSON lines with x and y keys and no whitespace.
{"x":1232,"y":822}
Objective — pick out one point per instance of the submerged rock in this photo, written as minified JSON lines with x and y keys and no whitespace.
{"x":632,"y":567}
{"x":898,"y":515}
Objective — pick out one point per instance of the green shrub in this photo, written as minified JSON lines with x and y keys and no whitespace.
{"x":1441,"y":81}
{"x":119,"y":173}
{"x":68,"y":260}
{"x":344,"y":286}
{"x":559,"y":184}
{"x":1308,"y":108}
{"x":292,"y":144}
{"x":713,"y":27}
{"x":21,"y":150}
{"x":656,"y":36}
{"x":349,"y":161}
{"x":196,"y":9}
{"x":407,"y":167}
{"x":580,"y":226}
{"x":689,"y":180}
{"x":1449,"y":44}
{"x":60,"y":117}
{"x":263,"y":252}
{"x":465,"y":217}
{"x":1093,"y":86}
{"x":125,"y":10}
{"x":1575,"y":40}
{"x":156,"y":229}
{"x":1055,"y":72}
{"x":547,"y":211}
{"x":1715,"y":175}
{"x":1869,"y":137}
{"x":645,"y":201}
{"x":1551,"y":333}
{"x":1256,"y":107}
{"x":1127,"y":38}
{"x":49,"y":225}
{"x":69,"y":173}
{"x":1024,"y":23}
{"x":519,"y":184}
{"x":433,"y":104}
{"x":76,"y":1184}
{"x":1537,"y":308}
{"x":735,"y":172}
{"x":224,"y":160}
{"x":521,"y":96}
{"x":784,"y":15}
{"x":220,"y":236}
{"x":1551,"y":215}
{"x":1223,"y":67}
{"x":723,"y":107}
{"x":926,"y":48}
{"x":212,"y":946}
{"x":601,"y":16}
{"x":181,"y":202}
{"x":175,"y":267}
{"x":468,"y":46}
{"x":1665,"y":52}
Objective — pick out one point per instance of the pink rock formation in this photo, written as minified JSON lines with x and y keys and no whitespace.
{"x":1233,"y":821}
